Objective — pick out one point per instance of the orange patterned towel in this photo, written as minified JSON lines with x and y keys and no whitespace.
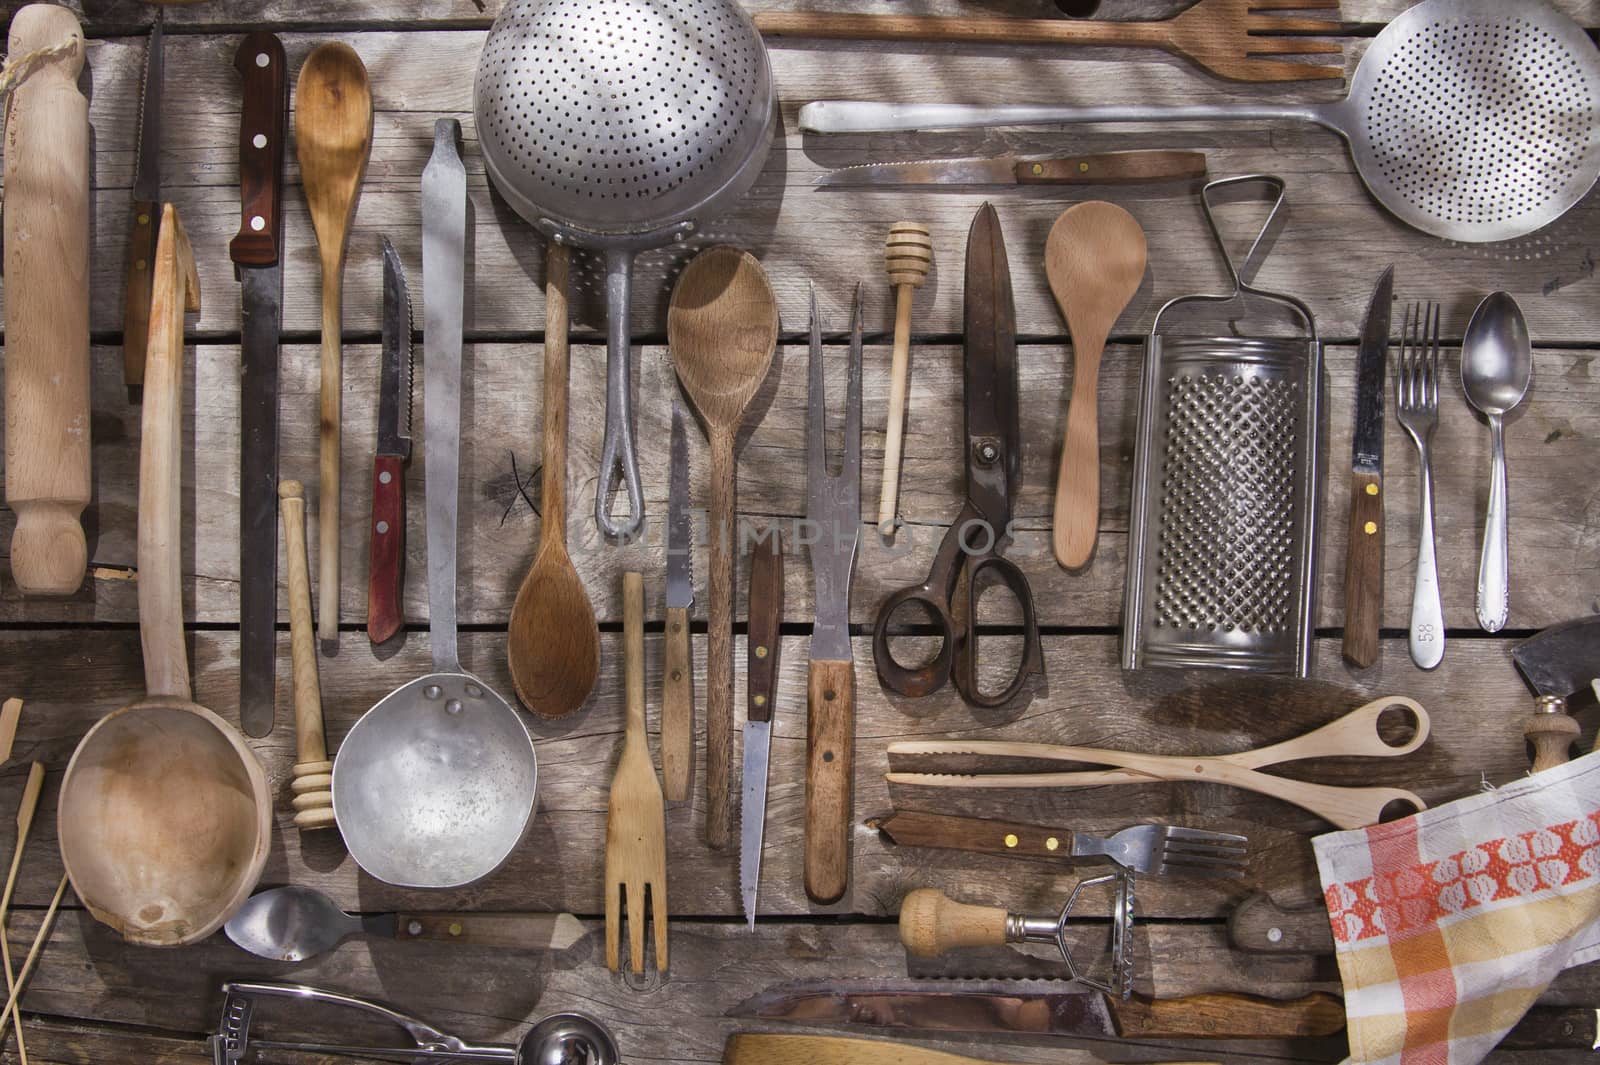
{"x":1450,"y":923}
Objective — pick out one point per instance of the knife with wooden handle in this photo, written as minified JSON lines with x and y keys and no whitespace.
{"x":47,"y":303}
{"x":677,"y":679}
{"x":1107,"y":168}
{"x":1363,"y":572}
{"x":745,"y":1048}
{"x":143,"y":216}
{"x":761,"y":682}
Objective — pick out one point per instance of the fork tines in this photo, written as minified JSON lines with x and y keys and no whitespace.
{"x":1198,"y":853}
{"x":1417,"y":368}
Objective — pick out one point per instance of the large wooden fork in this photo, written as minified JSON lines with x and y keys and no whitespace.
{"x":1235,"y":39}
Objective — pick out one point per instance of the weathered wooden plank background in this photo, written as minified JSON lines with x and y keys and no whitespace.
{"x":74,"y":659}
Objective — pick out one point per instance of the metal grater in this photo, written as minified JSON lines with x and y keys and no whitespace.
{"x":1223,"y":530}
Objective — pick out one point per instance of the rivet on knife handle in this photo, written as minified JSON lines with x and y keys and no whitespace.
{"x":1261,"y":926}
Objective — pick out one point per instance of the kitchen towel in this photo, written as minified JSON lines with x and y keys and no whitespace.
{"x":1448,"y":924}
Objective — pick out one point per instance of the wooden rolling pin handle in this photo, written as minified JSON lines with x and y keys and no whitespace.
{"x":932,"y":923}
{"x":907,"y":255}
{"x":1552,"y":731}
{"x":47,"y":214}
{"x":313,"y":779}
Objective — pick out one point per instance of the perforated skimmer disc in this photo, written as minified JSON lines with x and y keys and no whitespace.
{"x":620,"y":116}
{"x":1478,"y":120}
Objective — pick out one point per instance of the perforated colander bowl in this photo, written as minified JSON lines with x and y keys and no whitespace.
{"x":621,"y":125}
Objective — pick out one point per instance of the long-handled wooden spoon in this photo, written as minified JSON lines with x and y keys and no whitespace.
{"x":1095,"y":259}
{"x":553,"y":645}
{"x":333,"y":128}
{"x":722,"y":327}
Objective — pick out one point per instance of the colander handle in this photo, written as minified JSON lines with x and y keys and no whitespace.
{"x":618,"y":445}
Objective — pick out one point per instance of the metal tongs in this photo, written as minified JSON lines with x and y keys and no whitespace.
{"x":565,"y":1037}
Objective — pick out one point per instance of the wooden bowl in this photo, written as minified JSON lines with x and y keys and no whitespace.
{"x":165,"y":820}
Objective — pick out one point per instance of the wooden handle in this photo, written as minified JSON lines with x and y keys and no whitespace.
{"x":719,"y":641}
{"x":25,"y":811}
{"x":313,"y":772}
{"x":832,"y":25}
{"x":142,"y":222}
{"x":263,"y":69}
{"x":745,"y":1048}
{"x":830,"y":758}
{"x":332,"y":360}
{"x":553,"y":481}
{"x":1552,"y":734}
{"x":513,"y":931}
{"x":1229,"y":1016}
{"x":1077,"y":511}
{"x":176,"y":288}
{"x":1260,"y":926}
{"x":915,"y":829}
{"x":633,"y":653}
{"x":1363,"y":570}
{"x":47,"y":214}
{"x":677,"y":708}
{"x":907,"y":256}
{"x":932,"y":923}
{"x":387,"y":549}
{"x":1112,"y":168}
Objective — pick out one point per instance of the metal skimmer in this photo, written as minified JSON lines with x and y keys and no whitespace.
{"x":1223,"y":533}
{"x":622,"y":125}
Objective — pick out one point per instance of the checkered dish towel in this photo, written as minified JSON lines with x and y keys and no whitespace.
{"x":1448,"y":924}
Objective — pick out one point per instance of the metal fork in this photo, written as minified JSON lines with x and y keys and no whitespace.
{"x":1416,"y":389}
{"x":1167,"y":850}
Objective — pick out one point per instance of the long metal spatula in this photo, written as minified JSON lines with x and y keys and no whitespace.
{"x":1449,"y":91}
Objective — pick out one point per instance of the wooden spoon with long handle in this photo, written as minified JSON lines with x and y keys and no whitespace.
{"x":722,"y":327}
{"x":47,"y":302}
{"x":553,"y":646}
{"x":333,"y":130}
{"x":1095,"y":260}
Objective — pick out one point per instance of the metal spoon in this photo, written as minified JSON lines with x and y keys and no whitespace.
{"x":293,"y":923}
{"x":1496,"y":364}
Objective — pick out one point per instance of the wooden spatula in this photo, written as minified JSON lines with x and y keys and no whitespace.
{"x":743,"y":1049}
{"x":636,"y":829}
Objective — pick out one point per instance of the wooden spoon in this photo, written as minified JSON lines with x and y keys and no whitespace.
{"x":553,"y":645}
{"x":1095,"y":259}
{"x":722,"y":327}
{"x":333,"y":128}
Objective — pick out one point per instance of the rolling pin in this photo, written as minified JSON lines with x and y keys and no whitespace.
{"x":47,"y":302}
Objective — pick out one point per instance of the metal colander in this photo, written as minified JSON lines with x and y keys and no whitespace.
{"x":621,"y":125}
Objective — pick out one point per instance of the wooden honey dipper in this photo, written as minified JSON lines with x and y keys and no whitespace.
{"x":907,"y":254}
{"x":313,"y":771}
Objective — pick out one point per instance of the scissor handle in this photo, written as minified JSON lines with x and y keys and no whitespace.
{"x":1356,"y":734}
{"x":966,"y":649}
{"x":930,"y":676}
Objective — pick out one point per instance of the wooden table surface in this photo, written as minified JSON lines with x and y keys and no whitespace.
{"x":74,"y":659}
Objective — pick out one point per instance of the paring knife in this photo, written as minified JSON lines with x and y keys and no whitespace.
{"x":1041,"y":1007}
{"x":761,"y":682}
{"x":677,"y":680}
{"x":257,"y":254}
{"x":1109,"y":168}
{"x":387,"y":573}
{"x":144,"y":217}
{"x":1363,"y":567}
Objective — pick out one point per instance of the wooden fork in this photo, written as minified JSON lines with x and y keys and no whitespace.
{"x":636,"y":831}
{"x":1233,"y":39}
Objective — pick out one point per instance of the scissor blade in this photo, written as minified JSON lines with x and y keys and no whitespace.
{"x":989,"y":319}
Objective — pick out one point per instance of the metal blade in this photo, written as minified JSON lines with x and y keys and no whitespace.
{"x":261,"y":297}
{"x":990,"y":365}
{"x":925,"y":172}
{"x":753,"y":815}
{"x":399,"y":361}
{"x":147,"y":149}
{"x":1367,"y":443}
{"x":833,"y":501}
{"x":1033,"y":1006}
{"x":680,"y":533}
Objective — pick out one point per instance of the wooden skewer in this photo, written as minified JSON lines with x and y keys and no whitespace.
{"x":25,"y":809}
{"x":907,"y":254}
{"x":33,"y":957}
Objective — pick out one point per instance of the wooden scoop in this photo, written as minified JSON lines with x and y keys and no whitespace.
{"x":47,"y":304}
{"x":722,"y":327}
{"x":165,"y":815}
{"x":553,"y":646}
{"x":333,"y":129}
{"x":1095,"y":260}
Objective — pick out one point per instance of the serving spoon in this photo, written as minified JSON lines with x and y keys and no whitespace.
{"x":1496,"y":366}
{"x":553,"y":646}
{"x":722,"y":327}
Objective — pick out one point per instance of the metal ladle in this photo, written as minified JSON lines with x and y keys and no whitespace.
{"x":434,"y":786}
{"x":1496,"y":366}
{"x":559,"y":1039}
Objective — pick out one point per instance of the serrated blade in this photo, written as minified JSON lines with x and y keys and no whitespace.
{"x":1367,"y":440}
{"x":680,"y":538}
{"x":147,"y":150}
{"x":925,"y":172}
{"x":397,"y":371}
{"x":1045,"y":1007}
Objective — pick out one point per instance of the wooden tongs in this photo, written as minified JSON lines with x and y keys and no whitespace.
{"x":1356,"y":734}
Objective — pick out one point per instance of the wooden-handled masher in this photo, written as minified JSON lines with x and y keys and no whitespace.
{"x":907,"y":254}
{"x":47,"y":301}
{"x":313,"y":770}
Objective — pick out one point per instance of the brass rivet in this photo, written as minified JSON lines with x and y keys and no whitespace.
{"x":1372,"y":489}
{"x":1052,"y":844}
{"x":1011,"y":839}
{"x":455,"y":928}
{"x":1083,"y":168}
{"x":761,"y":652}
{"x":1037,"y":168}
{"x":140,"y":264}
{"x":760,"y":700}
{"x":1370,"y":527}
{"x":144,"y":219}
